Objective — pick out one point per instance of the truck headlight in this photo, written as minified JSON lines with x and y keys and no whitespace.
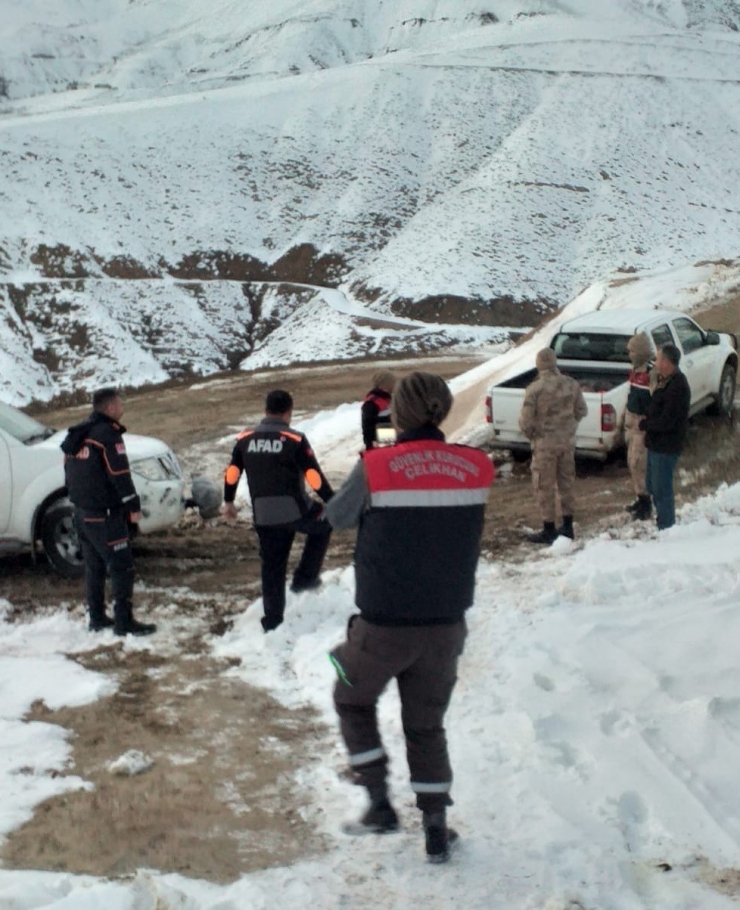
{"x":162,"y":468}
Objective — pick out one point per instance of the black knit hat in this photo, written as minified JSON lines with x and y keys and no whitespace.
{"x":420,"y":399}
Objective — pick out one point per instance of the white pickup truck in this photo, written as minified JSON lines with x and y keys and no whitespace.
{"x":593,"y":350}
{"x":33,"y":499}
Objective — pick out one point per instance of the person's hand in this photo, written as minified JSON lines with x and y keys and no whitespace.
{"x":134,"y":517}
{"x":228,"y":510}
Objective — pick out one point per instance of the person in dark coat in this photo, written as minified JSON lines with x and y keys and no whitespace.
{"x":279,"y":463}
{"x":420,"y":508}
{"x":665,"y":425}
{"x":99,"y":483}
{"x":376,"y":408}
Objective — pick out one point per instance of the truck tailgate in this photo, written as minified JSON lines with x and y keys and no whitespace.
{"x":593,"y":435}
{"x":505,"y":407}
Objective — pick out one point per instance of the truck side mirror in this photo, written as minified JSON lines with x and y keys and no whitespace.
{"x":711,"y":338}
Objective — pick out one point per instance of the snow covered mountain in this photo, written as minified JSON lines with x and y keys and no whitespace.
{"x":248,"y":183}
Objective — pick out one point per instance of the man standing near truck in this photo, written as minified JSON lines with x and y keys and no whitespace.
{"x":638,"y":401}
{"x":665,"y":426}
{"x":98,"y":479}
{"x":552,"y":409}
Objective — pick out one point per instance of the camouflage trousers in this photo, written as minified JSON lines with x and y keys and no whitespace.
{"x":636,"y":453}
{"x":553,"y":472}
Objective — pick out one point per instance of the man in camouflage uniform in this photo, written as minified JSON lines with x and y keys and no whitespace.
{"x":638,"y":401}
{"x":553,"y":406}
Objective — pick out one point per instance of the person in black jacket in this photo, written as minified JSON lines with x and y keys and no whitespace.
{"x":420,"y":509}
{"x":666,"y":424}
{"x":279,"y":462}
{"x":376,"y":408}
{"x":99,"y":483}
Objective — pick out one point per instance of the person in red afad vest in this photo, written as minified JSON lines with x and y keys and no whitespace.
{"x":376,"y":408}
{"x":420,"y":508}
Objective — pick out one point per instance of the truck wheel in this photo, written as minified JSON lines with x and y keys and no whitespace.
{"x":520,"y":456}
{"x":59,"y":539}
{"x":726,"y":394}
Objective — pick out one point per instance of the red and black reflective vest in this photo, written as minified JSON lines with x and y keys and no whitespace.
{"x":96,"y":468}
{"x":376,"y":412}
{"x":279,"y":462}
{"x":419,"y":542}
{"x":638,"y":397}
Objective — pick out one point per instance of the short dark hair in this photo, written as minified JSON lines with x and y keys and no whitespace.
{"x":278,"y":402}
{"x":103,"y":397}
{"x":672,"y":353}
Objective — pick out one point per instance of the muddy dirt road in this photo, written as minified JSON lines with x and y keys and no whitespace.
{"x":226,"y":803}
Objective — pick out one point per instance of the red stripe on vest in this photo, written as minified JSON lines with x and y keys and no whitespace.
{"x":641,"y":378}
{"x":382,"y":402}
{"x":427,"y":464}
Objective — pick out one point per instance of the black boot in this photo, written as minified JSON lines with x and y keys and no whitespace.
{"x":304,"y":584}
{"x":566,"y":529}
{"x":633,"y":506}
{"x":644,"y":509}
{"x":548,"y":534}
{"x":439,"y":838}
{"x":380,"y":818}
{"x":99,"y":622}
{"x":125,"y":624}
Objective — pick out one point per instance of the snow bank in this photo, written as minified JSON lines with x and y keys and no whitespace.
{"x":33,"y":667}
{"x":595,"y":736}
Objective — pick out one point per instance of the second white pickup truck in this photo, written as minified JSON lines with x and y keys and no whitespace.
{"x":593,"y":350}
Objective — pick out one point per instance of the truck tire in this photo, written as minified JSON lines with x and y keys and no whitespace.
{"x":725,"y":402}
{"x":59,"y":539}
{"x":520,"y":456}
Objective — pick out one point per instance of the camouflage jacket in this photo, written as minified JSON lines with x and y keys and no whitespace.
{"x":553,"y":406}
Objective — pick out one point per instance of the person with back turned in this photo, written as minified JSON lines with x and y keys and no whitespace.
{"x":376,"y":408}
{"x":420,"y":508}
{"x":98,"y":479}
{"x":552,"y":409}
{"x":279,"y":462}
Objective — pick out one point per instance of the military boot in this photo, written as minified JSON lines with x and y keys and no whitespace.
{"x":99,"y":621}
{"x":380,"y":818}
{"x":644,"y":510}
{"x":633,"y":506}
{"x":548,"y":534}
{"x":125,"y":624}
{"x":566,"y":529}
{"x":438,"y":837}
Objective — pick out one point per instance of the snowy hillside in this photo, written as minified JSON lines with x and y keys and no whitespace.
{"x":443,"y":161}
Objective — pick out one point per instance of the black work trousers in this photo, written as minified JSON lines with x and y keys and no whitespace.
{"x":106,"y":548}
{"x":275,"y":545}
{"x":423,"y":661}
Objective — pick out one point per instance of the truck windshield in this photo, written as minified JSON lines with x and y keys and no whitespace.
{"x":590,"y":346}
{"x":22,"y":427}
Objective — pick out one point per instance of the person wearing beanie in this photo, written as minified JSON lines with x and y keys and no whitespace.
{"x":419,"y":508}
{"x":552,"y":408}
{"x":376,"y":408}
{"x":638,"y":402}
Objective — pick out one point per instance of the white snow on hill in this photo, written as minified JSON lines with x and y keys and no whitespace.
{"x":446,"y":161}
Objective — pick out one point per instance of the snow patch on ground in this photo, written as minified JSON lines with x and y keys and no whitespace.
{"x":595,"y":736}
